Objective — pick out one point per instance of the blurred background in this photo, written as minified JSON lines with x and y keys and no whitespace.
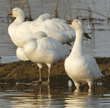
{"x":95,"y":15}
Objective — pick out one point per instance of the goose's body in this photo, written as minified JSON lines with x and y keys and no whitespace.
{"x":36,"y":23}
{"x":79,"y":66}
{"x":19,"y":30}
{"x":45,"y":50}
{"x":20,"y":54}
{"x":20,"y":34}
{"x":55,"y":28}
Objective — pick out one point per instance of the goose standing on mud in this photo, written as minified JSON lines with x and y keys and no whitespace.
{"x":37,"y":47}
{"x":45,"y":50}
{"x":79,"y":66}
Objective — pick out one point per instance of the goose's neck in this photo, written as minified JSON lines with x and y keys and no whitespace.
{"x":11,"y":29}
{"x":77,"y":47}
{"x":19,"y":20}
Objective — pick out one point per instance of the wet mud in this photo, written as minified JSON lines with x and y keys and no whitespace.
{"x":28,"y":71}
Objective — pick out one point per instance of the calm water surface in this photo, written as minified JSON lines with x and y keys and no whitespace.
{"x":53,"y":96}
{"x":67,"y":9}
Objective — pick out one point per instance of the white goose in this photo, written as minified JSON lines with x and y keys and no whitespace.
{"x":19,"y":30}
{"x":79,"y":66}
{"x":45,"y":50}
{"x":55,"y":28}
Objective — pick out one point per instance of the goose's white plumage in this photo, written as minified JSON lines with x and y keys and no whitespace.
{"x":55,"y":28}
{"x":79,"y":66}
{"x":45,"y":50}
{"x":20,"y":54}
{"x":35,"y":24}
{"x":19,"y":30}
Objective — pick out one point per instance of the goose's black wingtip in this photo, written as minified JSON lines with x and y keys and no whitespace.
{"x":87,"y":36}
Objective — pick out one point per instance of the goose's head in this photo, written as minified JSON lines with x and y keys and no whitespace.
{"x":16,"y":12}
{"x":77,"y":25}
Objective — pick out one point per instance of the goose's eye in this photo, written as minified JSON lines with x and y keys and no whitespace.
{"x":76,"y":21}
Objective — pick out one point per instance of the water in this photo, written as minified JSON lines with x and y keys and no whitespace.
{"x":97,"y":47}
{"x":53,"y":96}
{"x":8,"y":59}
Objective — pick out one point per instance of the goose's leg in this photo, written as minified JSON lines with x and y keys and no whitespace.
{"x":40,"y":92}
{"x":90,"y":83}
{"x":49,"y":95}
{"x":77,"y":86}
{"x":49,"y":66}
{"x":40,"y":74}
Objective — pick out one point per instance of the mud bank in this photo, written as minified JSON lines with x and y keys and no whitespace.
{"x":28,"y":71}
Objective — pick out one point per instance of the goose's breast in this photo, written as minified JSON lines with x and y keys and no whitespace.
{"x":77,"y":68}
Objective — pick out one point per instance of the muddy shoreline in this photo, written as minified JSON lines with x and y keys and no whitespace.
{"x":28,"y":71}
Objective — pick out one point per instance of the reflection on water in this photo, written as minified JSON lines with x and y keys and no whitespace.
{"x":82,"y":100}
{"x":52,"y":96}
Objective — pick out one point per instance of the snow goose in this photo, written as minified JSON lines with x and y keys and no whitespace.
{"x":79,"y":66}
{"x":55,"y":28}
{"x":19,"y":30}
{"x":45,"y":50}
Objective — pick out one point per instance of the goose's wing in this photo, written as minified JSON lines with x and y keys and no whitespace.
{"x":36,"y":23}
{"x":54,"y":48}
{"x":57,"y":29}
{"x":93,"y":66}
{"x":45,"y":16}
{"x":45,"y":50}
{"x":23,"y":34}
